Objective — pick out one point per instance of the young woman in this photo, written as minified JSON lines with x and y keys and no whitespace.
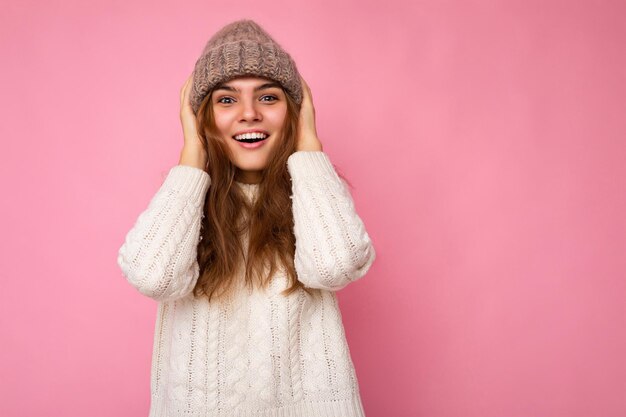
{"x":245,"y":244}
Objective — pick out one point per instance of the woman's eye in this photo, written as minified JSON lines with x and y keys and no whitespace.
{"x":224,"y":98}
{"x":272,"y":97}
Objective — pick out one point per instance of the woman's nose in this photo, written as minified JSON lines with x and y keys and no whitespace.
{"x":250,"y":111}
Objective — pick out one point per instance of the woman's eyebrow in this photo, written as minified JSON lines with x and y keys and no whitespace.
{"x":261,"y":87}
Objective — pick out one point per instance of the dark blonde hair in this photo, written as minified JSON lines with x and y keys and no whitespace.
{"x":228,"y":214}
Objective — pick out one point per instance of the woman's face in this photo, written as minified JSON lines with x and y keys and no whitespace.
{"x":246,"y":105}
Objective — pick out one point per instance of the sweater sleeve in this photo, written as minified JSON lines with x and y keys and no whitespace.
{"x":158,"y":256}
{"x":333,"y":248}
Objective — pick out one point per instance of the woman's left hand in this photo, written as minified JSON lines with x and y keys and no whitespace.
{"x":307,"y":139}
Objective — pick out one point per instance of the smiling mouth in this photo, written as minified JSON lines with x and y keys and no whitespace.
{"x":251,"y":137}
{"x":250,"y":140}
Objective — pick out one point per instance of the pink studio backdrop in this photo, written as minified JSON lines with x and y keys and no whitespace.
{"x":485,"y":143}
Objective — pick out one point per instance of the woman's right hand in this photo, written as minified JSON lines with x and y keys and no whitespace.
{"x":193,"y":152}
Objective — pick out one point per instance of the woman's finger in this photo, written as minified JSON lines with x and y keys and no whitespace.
{"x":305,"y":86}
{"x":184,"y":94}
{"x":307,"y":95}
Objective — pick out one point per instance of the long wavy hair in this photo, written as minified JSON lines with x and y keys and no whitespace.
{"x":228,"y":214}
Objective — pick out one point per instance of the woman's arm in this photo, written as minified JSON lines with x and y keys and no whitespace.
{"x":332,"y":245}
{"x":158,"y":256}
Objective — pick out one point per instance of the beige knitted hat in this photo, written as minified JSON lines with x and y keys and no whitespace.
{"x":243,"y":48}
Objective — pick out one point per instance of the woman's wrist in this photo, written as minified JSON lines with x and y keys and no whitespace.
{"x":309,"y":143}
{"x":193,"y":156}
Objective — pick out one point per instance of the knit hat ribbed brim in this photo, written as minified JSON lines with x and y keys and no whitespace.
{"x":243,"y":48}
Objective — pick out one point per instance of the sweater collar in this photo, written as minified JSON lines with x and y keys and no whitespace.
{"x":250,"y":190}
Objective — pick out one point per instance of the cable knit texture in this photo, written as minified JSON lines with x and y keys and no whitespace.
{"x":258,"y":353}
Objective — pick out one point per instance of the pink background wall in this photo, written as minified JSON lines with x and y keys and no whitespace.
{"x":485,"y":141}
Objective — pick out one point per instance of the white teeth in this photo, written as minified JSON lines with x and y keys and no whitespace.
{"x":255,"y":135}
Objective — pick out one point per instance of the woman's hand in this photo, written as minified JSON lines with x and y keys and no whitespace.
{"x":193,"y":152}
{"x":307,"y":139}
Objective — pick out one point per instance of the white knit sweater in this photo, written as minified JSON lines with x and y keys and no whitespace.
{"x":261,"y":354}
